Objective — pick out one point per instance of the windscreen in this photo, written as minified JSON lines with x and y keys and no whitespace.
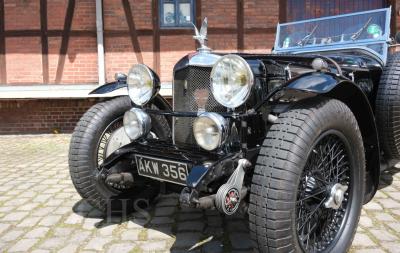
{"x":368,"y":30}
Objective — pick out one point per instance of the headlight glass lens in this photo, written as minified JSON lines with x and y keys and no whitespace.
{"x":141,"y":84}
{"x":137,"y":123}
{"x":231,"y":81}
{"x":209,"y":130}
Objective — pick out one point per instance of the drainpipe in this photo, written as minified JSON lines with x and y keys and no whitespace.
{"x":100,"y":42}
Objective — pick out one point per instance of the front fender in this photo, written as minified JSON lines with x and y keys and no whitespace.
{"x":108,"y":87}
{"x":317,"y":82}
{"x":306,"y":86}
{"x":332,"y":86}
{"x":159,"y":101}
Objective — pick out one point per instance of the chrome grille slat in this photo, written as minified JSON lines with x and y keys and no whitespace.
{"x":188,"y":96}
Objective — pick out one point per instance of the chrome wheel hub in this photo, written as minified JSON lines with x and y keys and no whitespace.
{"x":116,"y":140}
{"x":336,"y":196}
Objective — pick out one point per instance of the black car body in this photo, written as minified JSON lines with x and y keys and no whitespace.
{"x":344,"y":67}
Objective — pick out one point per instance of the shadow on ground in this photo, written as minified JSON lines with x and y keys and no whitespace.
{"x":185,"y":227}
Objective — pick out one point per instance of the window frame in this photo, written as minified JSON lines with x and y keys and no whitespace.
{"x":176,"y":3}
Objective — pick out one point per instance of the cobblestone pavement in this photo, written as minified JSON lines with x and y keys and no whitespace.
{"x":41,"y":212}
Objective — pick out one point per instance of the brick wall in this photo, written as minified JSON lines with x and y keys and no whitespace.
{"x":221,"y":14}
{"x":119,"y":53}
{"x":41,"y":116}
{"x":256,"y":18}
{"x":23,"y":62}
{"x":21,"y":14}
{"x":24,"y":54}
{"x":24,"y":57}
{"x":36,"y":116}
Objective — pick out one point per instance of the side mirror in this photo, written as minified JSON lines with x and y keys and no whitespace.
{"x":397,"y":38}
{"x":120,"y":77}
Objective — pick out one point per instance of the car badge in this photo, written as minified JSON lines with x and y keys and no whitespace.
{"x":201,"y":36}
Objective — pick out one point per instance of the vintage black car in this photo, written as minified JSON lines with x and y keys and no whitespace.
{"x":296,"y":139}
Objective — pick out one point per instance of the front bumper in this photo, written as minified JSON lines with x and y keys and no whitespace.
{"x":204,"y":167}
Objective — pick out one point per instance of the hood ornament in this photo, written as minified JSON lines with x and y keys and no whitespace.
{"x":201,"y":36}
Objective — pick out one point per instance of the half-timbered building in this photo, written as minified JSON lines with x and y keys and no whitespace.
{"x":53,"y":52}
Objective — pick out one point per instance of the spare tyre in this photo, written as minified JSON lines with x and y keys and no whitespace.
{"x":388,"y":108}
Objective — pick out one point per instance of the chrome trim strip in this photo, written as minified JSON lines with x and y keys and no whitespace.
{"x":374,"y":53}
{"x":204,"y":59}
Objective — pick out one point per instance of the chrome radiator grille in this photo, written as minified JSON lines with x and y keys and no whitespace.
{"x":192,"y":93}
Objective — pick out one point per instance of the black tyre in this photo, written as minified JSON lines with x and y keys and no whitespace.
{"x":87,"y":150}
{"x":388,"y":108}
{"x":311,"y":152}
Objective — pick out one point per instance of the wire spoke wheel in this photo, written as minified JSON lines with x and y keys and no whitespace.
{"x":323,"y":193}
{"x":309,"y":181}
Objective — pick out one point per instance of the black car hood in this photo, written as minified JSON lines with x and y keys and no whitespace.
{"x":345,"y":58}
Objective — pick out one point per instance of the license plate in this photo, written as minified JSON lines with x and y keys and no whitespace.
{"x":163,"y":170}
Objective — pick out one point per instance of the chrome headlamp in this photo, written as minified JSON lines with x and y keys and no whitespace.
{"x":210,"y":130}
{"x":137,"y":123}
{"x":143,"y":84}
{"x":231,"y":81}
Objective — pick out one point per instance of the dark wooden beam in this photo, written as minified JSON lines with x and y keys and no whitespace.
{"x":240,"y":24}
{"x":218,"y":30}
{"x":156,"y":36}
{"x":65,"y":40}
{"x":44,"y":39}
{"x":393,"y":24}
{"x":198,"y":19}
{"x":282,"y":11}
{"x":23,"y":33}
{"x":132,"y":30}
{"x":175,"y":32}
{"x":77,"y":34}
{"x":255,"y":30}
{"x":3,"y":72}
{"x":53,"y":33}
{"x":139,"y":32}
